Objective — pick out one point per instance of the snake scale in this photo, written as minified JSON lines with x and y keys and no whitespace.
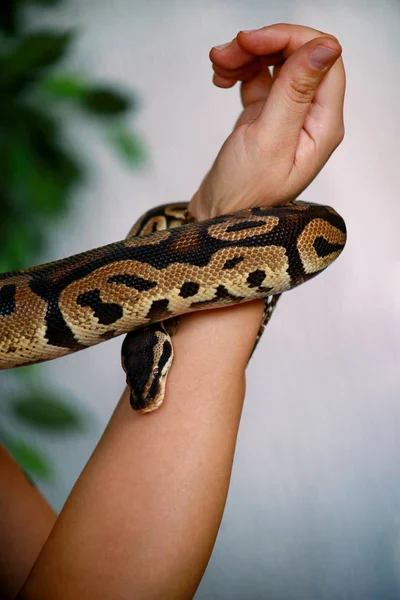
{"x":162,"y":270}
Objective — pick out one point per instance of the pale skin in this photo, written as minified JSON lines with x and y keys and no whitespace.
{"x":142,"y":519}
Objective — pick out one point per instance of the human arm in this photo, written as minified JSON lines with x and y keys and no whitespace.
{"x":25,"y":522}
{"x":142,"y":519}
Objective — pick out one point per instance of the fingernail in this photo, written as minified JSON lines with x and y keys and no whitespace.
{"x":322,"y":57}
{"x":222,"y":46}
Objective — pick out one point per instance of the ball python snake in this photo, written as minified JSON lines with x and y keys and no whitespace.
{"x":162,"y":270}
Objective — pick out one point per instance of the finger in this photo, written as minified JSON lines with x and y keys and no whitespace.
{"x":240,"y":74}
{"x":231,"y":55}
{"x":223,"y":82}
{"x":330,"y":93}
{"x":275,"y":43}
{"x":254,"y":94}
{"x":233,"y":61}
{"x":279,"y":40}
{"x":256,"y":90}
{"x":325,"y":124}
{"x":282,"y":118}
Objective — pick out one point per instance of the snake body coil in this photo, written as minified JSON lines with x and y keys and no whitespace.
{"x":52,"y":310}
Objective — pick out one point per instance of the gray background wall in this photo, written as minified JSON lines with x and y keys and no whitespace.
{"x":314,"y":505}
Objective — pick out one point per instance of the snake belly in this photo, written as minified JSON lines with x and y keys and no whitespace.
{"x":61,"y":307}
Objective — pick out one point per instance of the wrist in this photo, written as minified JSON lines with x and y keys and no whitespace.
{"x":222,"y":333}
{"x":198,"y":207}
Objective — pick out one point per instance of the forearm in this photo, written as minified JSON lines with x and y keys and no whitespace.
{"x":25,"y":522}
{"x":142,"y":519}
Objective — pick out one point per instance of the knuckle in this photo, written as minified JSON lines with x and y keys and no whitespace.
{"x":301,"y":89}
{"x":334,"y":134}
{"x":302,"y":33}
{"x":339,"y":134}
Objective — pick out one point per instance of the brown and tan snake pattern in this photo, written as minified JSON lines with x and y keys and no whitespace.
{"x":156,"y":274}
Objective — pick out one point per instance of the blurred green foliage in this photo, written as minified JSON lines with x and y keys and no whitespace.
{"x":38,"y":175}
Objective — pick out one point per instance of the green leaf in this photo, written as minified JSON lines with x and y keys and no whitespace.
{"x":5,"y":263}
{"x":39,"y":170}
{"x":65,"y":86}
{"x":35,"y":52}
{"x":29,"y":458}
{"x":28,"y":372}
{"x":47,"y":413}
{"x":17,"y":246}
{"x":128,"y":146}
{"x":22,"y":241}
{"x":106,"y":102}
{"x":40,"y":50}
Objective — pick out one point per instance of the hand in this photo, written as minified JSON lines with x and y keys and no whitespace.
{"x":291,"y":123}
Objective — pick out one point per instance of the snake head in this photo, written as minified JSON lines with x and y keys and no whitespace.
{"x":146,"y":358}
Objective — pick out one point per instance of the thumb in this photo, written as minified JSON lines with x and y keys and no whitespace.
{"x":282,"y":117}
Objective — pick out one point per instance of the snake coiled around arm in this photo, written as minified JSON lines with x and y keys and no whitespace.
{"x":157,"y":274}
